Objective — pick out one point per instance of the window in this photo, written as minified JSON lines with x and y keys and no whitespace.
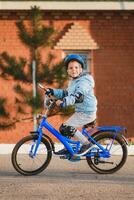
{"x":84,"y":54}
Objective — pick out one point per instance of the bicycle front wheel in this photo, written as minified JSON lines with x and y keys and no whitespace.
{"x":118,"y":154}
{"x":24,"y":162}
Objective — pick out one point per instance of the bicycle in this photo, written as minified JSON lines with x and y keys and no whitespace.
{"x":107,"y":154}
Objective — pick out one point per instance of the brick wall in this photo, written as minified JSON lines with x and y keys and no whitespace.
{"x":114,"y":71}
{"x":113,"y":65}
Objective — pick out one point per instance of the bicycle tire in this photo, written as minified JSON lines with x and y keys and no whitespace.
{"x":16,"y":156}
{"x":121,"y":143}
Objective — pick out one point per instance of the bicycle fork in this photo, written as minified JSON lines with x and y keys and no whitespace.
{"x":35,"y":145}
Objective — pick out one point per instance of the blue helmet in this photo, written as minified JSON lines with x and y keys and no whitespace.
{"x":74,"y":57}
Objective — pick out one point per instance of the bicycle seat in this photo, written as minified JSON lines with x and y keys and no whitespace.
{"x":91,"y":124}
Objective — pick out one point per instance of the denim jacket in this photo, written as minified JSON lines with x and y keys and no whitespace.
{"x":84,"y":85}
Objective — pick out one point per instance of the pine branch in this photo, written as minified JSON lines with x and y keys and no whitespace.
{"x":23,"y":34}
{"x":11,"y":124}
{"x":10,"y":66}
{"x":3,"y":111}
{"x":39,"y":34}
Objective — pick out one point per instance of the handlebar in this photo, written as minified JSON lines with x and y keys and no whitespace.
{"x":52,"y":101}
{"x":42,"y":87}
{"x":45,"y":89}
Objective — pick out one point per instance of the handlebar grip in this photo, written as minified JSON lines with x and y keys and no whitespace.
{"x":42,"y":87}
{"x":45,"y":89}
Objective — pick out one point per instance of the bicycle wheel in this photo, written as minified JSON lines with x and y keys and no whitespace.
{"x":26,"y":164}
{"x":118,"y":154}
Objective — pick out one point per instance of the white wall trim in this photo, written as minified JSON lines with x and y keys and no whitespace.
{"x":7,"y":148}
{"x":64,"y":5}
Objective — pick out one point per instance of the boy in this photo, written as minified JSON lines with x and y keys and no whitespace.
{"x":80,"y":94}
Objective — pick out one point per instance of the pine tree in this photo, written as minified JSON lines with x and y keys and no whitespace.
{"x":37,"y":36}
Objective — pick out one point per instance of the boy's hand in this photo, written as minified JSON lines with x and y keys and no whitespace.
{"x":60,"y":103}
{"x":49,"y":91}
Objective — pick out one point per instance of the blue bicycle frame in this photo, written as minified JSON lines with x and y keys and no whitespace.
{"x":74,"y":146}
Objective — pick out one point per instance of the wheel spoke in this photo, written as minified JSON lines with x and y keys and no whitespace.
{"x":118,"y":154}
{"x":26,"y":164}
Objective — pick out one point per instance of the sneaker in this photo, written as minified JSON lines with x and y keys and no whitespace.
{"x":61,"y":152}
{"x":84,"y":149}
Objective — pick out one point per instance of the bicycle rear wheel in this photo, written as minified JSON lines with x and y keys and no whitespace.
{"x":24,"y":162}
{"x":118,"y":154}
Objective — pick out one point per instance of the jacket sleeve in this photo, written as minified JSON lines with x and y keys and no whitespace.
{"x":59,"y":93}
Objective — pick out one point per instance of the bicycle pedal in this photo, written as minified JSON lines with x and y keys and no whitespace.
{"x":75,"y":158}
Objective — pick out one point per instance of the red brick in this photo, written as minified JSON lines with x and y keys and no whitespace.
{"x":112,"y":67}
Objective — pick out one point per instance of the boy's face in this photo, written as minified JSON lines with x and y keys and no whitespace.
{"x":74,"y":69}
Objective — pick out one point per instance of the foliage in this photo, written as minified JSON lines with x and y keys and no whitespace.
{"x":10,"y":66}
{"x":27,"y":97}
{"x":59,"y":73}
{"x":34,"y":36}
{"x":3,"y":111}
{"x":55,"y":73}
{"x":39,"y":35}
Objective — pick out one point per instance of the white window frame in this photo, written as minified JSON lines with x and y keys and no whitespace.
{"x":86,"y":53}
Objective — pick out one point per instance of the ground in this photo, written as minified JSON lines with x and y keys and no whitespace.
{"x":66,"y":180}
